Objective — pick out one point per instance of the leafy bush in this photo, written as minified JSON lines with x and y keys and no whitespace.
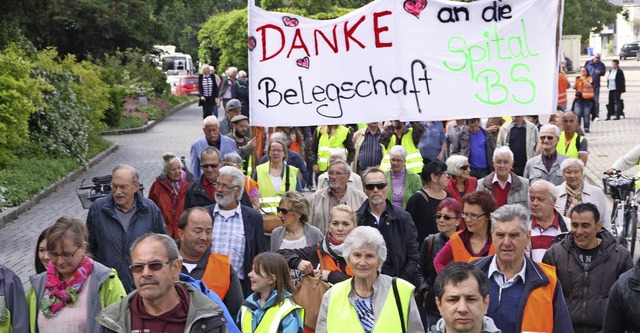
{"x":60,"y":127}
{"x":19,"y":98}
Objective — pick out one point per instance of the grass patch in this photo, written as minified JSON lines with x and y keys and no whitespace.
{"x":136,"y":115}
{"x":32,"y":172}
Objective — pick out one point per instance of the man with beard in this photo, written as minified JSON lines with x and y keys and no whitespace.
{"x":399,"y":134}
{"x":239,"y":131}
{"x":195,"y":229}
{"x":238,"y":230}
{"x":116,"y":220}
{"x":211,"y":138}
{"x":395,"y":225}
{"x":336,"y":193}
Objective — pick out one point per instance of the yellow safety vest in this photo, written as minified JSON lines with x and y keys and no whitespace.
{"x":342,"y":316}
{"x":272,"y":317}
{"x":414,"y":159}
{"x":638,"y":176}
{"x":249,"y":166}
{"x":325,"y":144}
{"x":570,"y":149}
{"x":269,"y":197}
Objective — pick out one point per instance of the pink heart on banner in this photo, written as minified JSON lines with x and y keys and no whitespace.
{"x":304,"y":62}
{"x":415,"y":7}
{"x":290,"y":21}
{"x":251,"y":42}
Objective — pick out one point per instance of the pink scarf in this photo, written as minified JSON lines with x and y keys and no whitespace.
{"x":59,"y":293}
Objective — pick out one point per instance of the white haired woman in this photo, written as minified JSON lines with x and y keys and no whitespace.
{"x":169,"y":190}
{"x":460,"y":181}
{"x":575,"y":190}
{"x":369,"y":301}
{"x":403,"y":183}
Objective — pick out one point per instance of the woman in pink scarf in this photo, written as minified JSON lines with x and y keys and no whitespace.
{"x":73,"y":290}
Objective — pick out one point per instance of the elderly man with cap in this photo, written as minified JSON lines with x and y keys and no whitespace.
{"x":240,"y":133}
{"x":233,"y":109}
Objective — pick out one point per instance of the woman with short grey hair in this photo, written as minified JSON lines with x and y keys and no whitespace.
{"x":460,"y":181}
{"x":403,"y":183}
{"x":358,"y":303}
{"x":575,"y":190}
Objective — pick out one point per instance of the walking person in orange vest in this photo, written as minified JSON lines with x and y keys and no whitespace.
{"x":525,"y":296}
{"x":563,"y":85}
{"x":195,"y":228}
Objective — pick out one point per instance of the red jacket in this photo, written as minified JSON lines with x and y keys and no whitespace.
{"x":469,"y":187}
{"x":160,"y":194}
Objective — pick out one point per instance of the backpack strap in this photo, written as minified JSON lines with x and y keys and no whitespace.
{"x":396,"y":295}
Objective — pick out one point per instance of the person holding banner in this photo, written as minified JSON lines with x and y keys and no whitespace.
{"x":328,"y":138}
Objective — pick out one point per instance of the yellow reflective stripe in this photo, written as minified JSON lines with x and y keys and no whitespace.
{"x":270,"y":199}
{"x":322,"y":160}
{"x":414,"y":165}
{"x":414,"y":155}
{"x":284,"y":310}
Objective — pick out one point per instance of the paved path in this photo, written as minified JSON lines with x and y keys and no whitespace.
{"x":144,"y":151}
{"x":607,"y":140}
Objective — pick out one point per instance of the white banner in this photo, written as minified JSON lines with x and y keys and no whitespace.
{"x":406,"y":60}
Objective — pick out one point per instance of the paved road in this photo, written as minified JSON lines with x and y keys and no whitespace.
{"x":608,"y":140}
{"x":144,"y":151}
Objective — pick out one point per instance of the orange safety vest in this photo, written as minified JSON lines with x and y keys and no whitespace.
{"x":327,"y":263}
{"x":562,"y":89}
{"x":587,"y":91}
{"x":460,"y":253}
{"x":216,"y":274}
{"x":538,"y":312}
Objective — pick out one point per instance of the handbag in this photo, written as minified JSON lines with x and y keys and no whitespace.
{"x":308,"y":294}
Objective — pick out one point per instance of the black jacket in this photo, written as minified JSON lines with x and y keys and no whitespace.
{"x":214,"y":88}
{"x":620,"y":81}
{"x":586,"y":290}
{"x":399,"y":232}
{"x":622,"y":310}
{"x":426,"y":272}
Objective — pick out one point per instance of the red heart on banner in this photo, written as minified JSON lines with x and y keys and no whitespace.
{"x":251,"y":42}
{"x":290,"y":21}
{"x":415,"y":7}
{"x":304,"y":62}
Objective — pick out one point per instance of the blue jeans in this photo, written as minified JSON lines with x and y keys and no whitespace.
{"x":582,"y":108}
{"x":596,"y":100}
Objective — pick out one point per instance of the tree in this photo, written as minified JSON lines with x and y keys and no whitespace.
{"x":582,"y":17}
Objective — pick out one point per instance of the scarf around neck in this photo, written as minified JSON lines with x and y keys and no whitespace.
{"x":58,"y":293}
{"x":331,"y":246}
{"x":574,"y":197}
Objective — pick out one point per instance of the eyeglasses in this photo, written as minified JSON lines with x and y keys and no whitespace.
{"x":66,"y":255}
{"x":502,"y":162}
{"x":283,"y":211}
{"x":209,"y":166}
{"x":122,"y":187}
{"x":154,"y":266}
{"x":471,"y":216}
{"x":379,"y":186}
{"x":550,"y":138}
{"x":224,"y":187}
{"x":445,"y":217}
{"x":279,"y":151}
{"x":333,"y":173}
{"x":464,"y":167}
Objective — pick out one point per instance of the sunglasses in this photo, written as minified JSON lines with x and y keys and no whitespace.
{"x":445,"y":217}
{"x":550,"y":138}
{"x":209,"y":166}
{"x":283,"y":211}
{"x":379,"y":186}
{"x":154,"y":266}
{"x":464,"y":167}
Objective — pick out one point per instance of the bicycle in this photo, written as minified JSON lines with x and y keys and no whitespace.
{"x":101,"y":187}
{"x":624,"y":215}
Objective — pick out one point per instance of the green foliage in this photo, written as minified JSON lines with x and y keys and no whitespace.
{"x":60,"y":127}
{"x":19,"y":98}
{"x":117,"y":94}
{"x":92,"y":90}
{"x":582,"y":17}
{"x":271,"y":4}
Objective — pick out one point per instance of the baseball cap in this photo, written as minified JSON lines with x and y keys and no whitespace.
{"x":233,"y":104}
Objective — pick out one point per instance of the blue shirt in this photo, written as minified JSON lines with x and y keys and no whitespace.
{"x":478,"y":150}
{"x":431,"y":140}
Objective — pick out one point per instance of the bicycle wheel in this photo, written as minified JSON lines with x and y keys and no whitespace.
{"x":615,"y":226}
{"x":632,"y":231}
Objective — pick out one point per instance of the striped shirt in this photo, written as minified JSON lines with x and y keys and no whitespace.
{"x":541,"y":238}
{"x":364,"y":308}
{"x":228,"y":236}
{"x":370,"y":150}
{"x":207,"y":85}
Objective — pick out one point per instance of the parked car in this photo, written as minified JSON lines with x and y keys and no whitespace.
{"x":187,"y":85}
{"x":629,"y":50}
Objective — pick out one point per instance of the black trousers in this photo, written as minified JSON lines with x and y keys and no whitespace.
{"x":615,"y":107}
{"x":209,"y":107}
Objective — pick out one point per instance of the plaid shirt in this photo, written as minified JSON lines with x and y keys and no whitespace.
{"x":228,"y":237}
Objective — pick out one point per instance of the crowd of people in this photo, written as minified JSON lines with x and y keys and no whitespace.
{"x":397,"y":213}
